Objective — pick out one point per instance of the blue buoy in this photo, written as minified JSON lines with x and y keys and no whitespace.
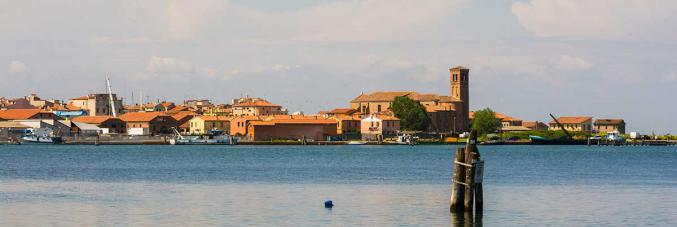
{"x":328,"y":204}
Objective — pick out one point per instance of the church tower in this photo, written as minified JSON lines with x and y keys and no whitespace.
{"x":459,"y":91}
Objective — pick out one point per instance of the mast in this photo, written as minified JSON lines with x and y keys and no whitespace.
{"x":110,"y":97}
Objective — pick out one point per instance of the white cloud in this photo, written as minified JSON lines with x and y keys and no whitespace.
{"x":169,"y":65}
{"x":17,"y":67}
{"x":627,"y":20}
{"x":567,"y":62}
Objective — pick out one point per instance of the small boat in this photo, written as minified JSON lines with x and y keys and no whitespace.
{"x":38,"y":136}
{"x":215,"y":137}
{"x":357,"y":143}
{"x":406,"y":139}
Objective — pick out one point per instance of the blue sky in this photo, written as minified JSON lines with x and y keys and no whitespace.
{"x":602,"y":58}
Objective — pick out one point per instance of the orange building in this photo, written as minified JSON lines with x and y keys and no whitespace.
{"x":238,"y":125}
{"x":292,"y":129}
{"x":152,"y":122}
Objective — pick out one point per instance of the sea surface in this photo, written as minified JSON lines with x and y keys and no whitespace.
{"x":370,"y":186}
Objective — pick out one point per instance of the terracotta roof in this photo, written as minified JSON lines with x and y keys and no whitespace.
{"x":93,"y":119}
{"x":347,"y":118}
{"x":185,"y":125}
{"x":609,"y":121}
{"x":183,"y":114}
{"x":19,"y":114}
{"x":342,"y":111}
{"x":81,"y":98}
{"x":167,"y":104}
{"x":260,"y":103}
{"x":141,"y":116}
{"x":179,"y":108}
{"x":572,"y":120}
{"x":385,"y":96}
{"x":460,"y":68}
{"x":213,"y":118}
{"x":534,"y":124}
{"x":294,"y":121}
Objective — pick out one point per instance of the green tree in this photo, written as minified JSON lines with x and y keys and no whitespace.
{"x":411,"y":113}
{"x":485,"y":122}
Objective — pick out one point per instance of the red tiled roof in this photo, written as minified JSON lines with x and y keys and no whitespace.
{"x":342,"y":111}
{"x":295,"y":121}
{"x":183,"y":114}
{"x":93,"y":119}
{"x":19,"y":114}
{"x":572,"y":120}
{"x":141,"y":116}
{"x":81,"y":98}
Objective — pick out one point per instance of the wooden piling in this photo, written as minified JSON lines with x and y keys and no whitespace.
{"x":457,"y":190}
{"x":468,"y":199}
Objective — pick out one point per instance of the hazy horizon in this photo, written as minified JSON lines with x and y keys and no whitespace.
{"x":607,"y":59}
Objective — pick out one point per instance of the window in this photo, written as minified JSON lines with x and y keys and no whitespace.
{"x":378,"y":108}
{"x":455,"y":77}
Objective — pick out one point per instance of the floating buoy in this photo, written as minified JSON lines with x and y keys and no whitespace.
{"x":328,"y":204}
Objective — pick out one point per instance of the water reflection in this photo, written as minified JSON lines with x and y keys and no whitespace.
{"x":466,"y":219}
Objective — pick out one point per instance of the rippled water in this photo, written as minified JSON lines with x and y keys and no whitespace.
{"x":370,"y":185}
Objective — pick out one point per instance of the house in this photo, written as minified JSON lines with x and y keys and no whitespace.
{"x":98,"y":104}
{"x":166,"y":106}
{"x":256,"y":107}
{"x":218,"y":110}
{"x":19,"y":103}
{"x":374,"y":127}
{"x":197,"y":104}
{"x":182,"y":118}
{"x":84,"y":129}
{"x":347,"y":124}
{"x":575,"y":124}
{"x":25,"y":114}
{"x":108,"y":124}
{"x":450,"y":112}
{"x":535,"y":125}
{"x":610,"y":125}
{"x":291,"y":129}
{"x":148,"y":123}
{"x":238,"y":124}
{"x":204,"y":124}
{"x":339,"y":112}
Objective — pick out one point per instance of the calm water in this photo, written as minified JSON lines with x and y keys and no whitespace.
{"x":370,"y":185}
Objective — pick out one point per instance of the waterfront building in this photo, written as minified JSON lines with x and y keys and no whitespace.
{"x":256,"y":107}
{"x":610,"y":125}
{"x":98,"y":104}
{"x":535,"y":125}
{"x":574,"y":124}
{"x":347,"y":124}
{"x":108,"y":124}
{"x":25,"y":114}
{"x":508,"y":123}
{"x":148,"y":123}
{"x":375,"y":126}
{"x":204,"y":124}
{"x":238,"y":124}
{"x":291,"y":129}
{"x":450,"y":113}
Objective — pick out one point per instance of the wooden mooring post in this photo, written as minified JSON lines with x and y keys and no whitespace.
{"x":466,"y":187}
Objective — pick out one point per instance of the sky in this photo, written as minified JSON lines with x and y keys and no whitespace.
{"x":603,"y":58}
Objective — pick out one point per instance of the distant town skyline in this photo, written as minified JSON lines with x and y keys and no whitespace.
{"x":607,"y":59}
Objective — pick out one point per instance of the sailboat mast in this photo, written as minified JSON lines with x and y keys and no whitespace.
{"x":110,"y":97}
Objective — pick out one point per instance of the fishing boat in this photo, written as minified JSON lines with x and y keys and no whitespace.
{"x":214,"y":137}
{"x":357,"y":143}
{"x":39,"y":136}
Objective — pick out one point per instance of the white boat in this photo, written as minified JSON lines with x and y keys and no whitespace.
{"x":215,"y":137}
{"x":406,"y":139}
{"x":357,"y":143}
{"x":40,"y":136}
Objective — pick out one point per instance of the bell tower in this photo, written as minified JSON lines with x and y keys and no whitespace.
{"x":459,"y":91}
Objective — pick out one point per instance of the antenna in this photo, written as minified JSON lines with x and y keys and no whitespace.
{"x":110,"y":96}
